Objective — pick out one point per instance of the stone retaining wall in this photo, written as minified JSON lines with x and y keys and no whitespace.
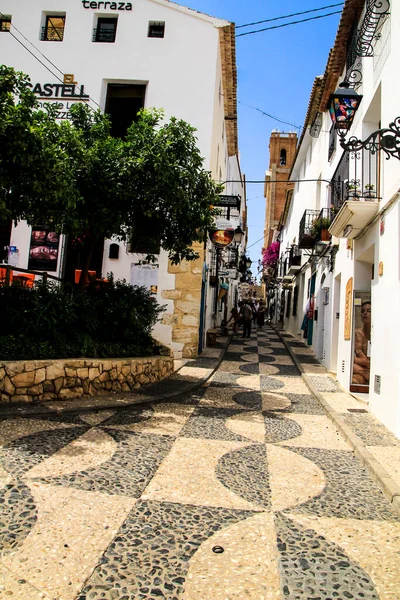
{"x":41,"y":380}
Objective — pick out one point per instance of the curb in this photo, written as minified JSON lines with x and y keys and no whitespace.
{"x":43,"y":411}
{"x":386,"y":483}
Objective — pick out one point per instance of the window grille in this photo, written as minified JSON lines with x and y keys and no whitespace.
{"x":5,"y":23}
{"x":106,"y":30}
{"x":156,"y":29}
{"x":53,"y":31}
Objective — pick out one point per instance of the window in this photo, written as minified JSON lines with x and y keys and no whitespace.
{"x":5,"y":23}
{"x":156,"y":29}
{"x":282,"y":160}
{"x":106,"y":30}
{"x":53,"y":31}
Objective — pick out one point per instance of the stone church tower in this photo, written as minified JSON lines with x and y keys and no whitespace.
{"x":282,"y":150}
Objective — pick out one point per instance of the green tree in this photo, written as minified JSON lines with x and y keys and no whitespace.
{"x":32,"y":163}
{"x":78,"y":179}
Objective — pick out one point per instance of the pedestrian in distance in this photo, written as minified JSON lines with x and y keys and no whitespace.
{"x":247,"y":318}
{"x":261,"y":316}
{"x":255,"y":310}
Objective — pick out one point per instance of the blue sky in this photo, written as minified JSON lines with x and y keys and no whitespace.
{"x":276,"y":70}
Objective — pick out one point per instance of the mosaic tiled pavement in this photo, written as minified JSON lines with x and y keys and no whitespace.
{"x":241,"y":490}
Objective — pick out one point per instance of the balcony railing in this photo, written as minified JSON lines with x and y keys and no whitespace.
{"x":294,"y":260}
{"x":306,"y":237}
{"x":321,"y":224}
{"x":357,"y":178}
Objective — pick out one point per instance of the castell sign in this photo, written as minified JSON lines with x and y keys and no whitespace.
{"x":90,"y":4}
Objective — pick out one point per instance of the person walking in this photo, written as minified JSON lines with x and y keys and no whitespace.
{"x":247,"y":318}
{"x":261,"y":316}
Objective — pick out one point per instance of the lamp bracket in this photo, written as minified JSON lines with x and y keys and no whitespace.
{"x":386,"y":139}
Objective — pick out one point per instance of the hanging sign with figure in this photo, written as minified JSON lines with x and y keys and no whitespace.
{"x":222,"y":234}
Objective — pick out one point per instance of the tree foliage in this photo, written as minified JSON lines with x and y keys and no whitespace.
{"x":74,"y":177}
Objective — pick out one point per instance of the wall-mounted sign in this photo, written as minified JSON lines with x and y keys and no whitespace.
{"x":53,"y":93}
{"x":145,"y":276}
{"x":59,"y":90}
{"x":348,"y":309}
{"x":223,"y":233}
{"x":106,"y":5}
{"x":43,"y":253}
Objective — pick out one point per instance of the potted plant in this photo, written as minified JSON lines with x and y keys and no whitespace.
{"x":369,"y":191}
{"x":353,"y":191}
{"x":319,"y":229}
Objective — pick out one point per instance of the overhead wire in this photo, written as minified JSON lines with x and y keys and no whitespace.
{"x":338,"y":12}
{"x":44,"y":56}
{"x":304,"y":12}
{"x":270,"y":116}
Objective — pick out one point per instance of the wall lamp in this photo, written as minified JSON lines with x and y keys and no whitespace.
{"x":343,"y":105}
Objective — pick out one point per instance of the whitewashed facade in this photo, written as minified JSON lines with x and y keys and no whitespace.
{"x":190,"y":72}
{"x":363,"y":254}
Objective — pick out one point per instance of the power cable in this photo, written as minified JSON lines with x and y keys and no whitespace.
{"x":33,"y":45}
{"x":338,"y":12}
{"x":270,"y":116}
{"x":41,"y":62}
{"x":288,"y":16}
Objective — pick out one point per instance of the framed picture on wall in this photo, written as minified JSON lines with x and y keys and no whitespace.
{"x":361,"y":355}
{"x":43,"y":252}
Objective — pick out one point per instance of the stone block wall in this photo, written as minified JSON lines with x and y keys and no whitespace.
{"x":41,"y":380}
{"x":185,"y":320}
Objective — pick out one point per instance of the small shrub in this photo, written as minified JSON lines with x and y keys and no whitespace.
{"x":113,"y":319}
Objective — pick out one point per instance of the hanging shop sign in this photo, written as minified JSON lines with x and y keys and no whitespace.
{"x":106,"y":5}
{"x":222,"y":234}
{"x":361,"y":342}
{"x":43,"y":253}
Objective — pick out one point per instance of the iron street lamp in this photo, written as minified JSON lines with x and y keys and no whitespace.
{"x":343,"y":105}
{"x":249,"y":262}
{"x":238,"y":235}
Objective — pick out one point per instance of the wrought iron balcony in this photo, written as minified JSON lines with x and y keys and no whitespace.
{"x":354,"y":192}
{"x":294,"y":260}
{"x":306,"y":238}
{"x":321,"y":224}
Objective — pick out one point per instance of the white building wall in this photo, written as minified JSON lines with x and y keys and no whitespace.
{"x":374,"y":251}
{"x":182,"y":73}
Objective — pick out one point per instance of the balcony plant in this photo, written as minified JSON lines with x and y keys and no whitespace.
{"x":319,"y":229}
{"x":369,"y":191}
{"x":353,"y":191}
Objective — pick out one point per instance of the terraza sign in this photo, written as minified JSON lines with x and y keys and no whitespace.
{"x":107,"y":5}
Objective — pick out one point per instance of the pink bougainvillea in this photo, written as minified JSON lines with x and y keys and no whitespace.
{"x":270,"y":255}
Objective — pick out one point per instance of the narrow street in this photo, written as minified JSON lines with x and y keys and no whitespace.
{"x":242,"y":489}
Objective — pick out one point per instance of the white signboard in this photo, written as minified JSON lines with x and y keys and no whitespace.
{"x":145,"y":276}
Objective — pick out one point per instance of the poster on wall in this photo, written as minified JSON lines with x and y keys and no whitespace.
{"x":145,"y":276}
{"x":43,"y":253}
{"x":361,"y":342}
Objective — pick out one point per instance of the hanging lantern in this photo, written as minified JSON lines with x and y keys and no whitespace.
{"x":343,"y":105}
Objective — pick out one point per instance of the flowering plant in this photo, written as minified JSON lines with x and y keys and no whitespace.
{"x":270,"y":255}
